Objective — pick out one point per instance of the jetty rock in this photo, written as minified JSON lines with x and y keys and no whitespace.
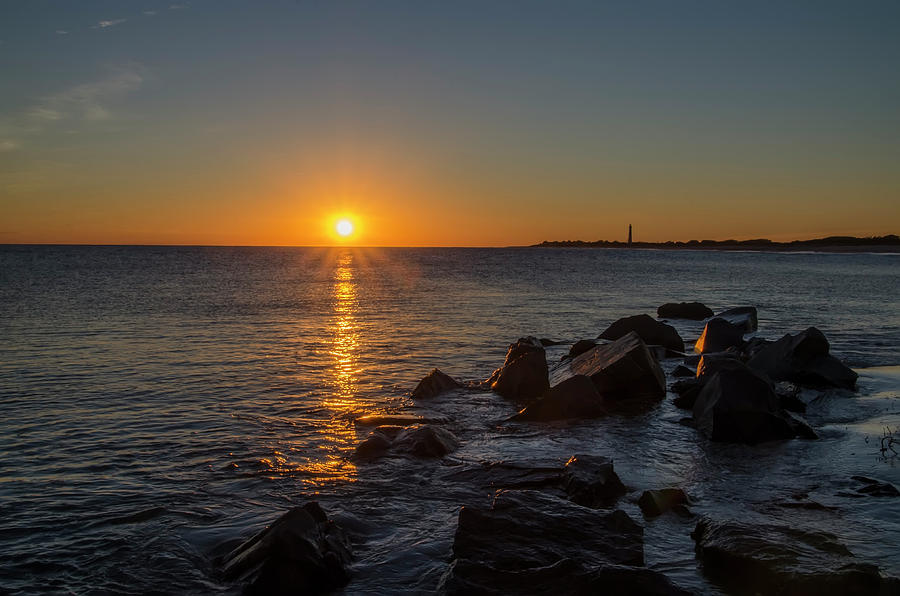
{"x":693,"y":311}
{"x":302,"y":552}
{"x":531,"y":542}
{"x":580,"y":347}
{"x":576,"y":397}
{"x":649,"y":329}
{"x":524,"y":375}
{"x":781,"y":560}
{"x":738,"y":406}
{"x":742,"y":316}
{"x":623,"y":369}
{"x":719,"y":335}
{"x":803,"y":359}
{"x":591,"y":481}
{"x":418,"y":441}
{"x":435,"y":383}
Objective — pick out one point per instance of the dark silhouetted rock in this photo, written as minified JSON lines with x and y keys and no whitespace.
{"x":803,"y":358}
{"x":719,"y":335}
{"x":876,"y":488}
{"x":524,"y":373}
{"x":302,"y":552}
{"x":712,"y":363}
{"x":576,"y":397}
{"x":434,"y":384}
{"x":657,"y":502}
{"x":580,"y":347}
{"x":533,"y":543}
{"x":419,"y":441}
{"x":742,"y":316}
{"x":780,"y":560}
{"x":788,"y":397}
{"x":694,"y":311}
{"x":590,"y":480}
{"x":752,"y":346}
{"x":738,"y":406}
{"x":649,"y":329}
{"x":623,"y":369}
{"x":683,"y":371}
{"x":687,"y":390}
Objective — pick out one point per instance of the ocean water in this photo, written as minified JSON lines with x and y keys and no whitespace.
{"x":159,"y":404}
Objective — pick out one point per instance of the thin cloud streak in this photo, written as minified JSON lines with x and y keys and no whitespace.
{"x":88,"y":101}
{"x":108,"y":23}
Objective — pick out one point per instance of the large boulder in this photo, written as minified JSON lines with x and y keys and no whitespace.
{"x":694,"y":311}
{"x":524,"y":375}
{"x":531,"y":542}
{"x":576,"y":397}
{"x":781,"y":560}
{"x":742,"y":316}
{"x":719,"y":335}
{"x":591,"y":481}
{"x":738,"y":406}
{"x":302,"y":552}
{"x":623,"y":369}
{"x":804,"y":359}
{"x":417,"y":441}
{"x":435,"y":383}
{"x":649,"y":329}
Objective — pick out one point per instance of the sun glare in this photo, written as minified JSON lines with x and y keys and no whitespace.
{"x":344,"y":227}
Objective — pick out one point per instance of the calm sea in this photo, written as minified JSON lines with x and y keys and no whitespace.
{"x":159,"y":403}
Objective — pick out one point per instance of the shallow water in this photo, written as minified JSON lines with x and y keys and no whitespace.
{"x":161,"y":403}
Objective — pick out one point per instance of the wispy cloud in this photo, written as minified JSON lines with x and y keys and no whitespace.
{"x":61,"y":32}
{"x":149,"y":13}
{"x":88,"y":101}
{"x":8,"y":145}
{"x":177,"y":6}
{"x":109,"y":23}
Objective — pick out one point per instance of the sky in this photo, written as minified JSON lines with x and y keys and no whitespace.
{"x":489,"y":123}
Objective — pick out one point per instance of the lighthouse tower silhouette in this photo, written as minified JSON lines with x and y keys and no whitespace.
{"x":629,"y":233}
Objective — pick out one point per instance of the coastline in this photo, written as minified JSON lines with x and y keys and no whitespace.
{"x":837,"y":244}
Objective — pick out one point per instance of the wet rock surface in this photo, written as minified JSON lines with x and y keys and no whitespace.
{"x":773,"y":559}
{"x":418,"y":441}
{"x":623,"y":369}
{"x":694,"y":311}
{"x":524,"y":375}
{"x":591,"y":481}
{"x":576,"y":397}
{"x":648,"y":329}
{"x":742,"y":316}
{"x":302,"y":552}
{"x":433,"y":384}
{"x":803,"y":358}
{"x":657,"y":502}
{"x":875,"y":488}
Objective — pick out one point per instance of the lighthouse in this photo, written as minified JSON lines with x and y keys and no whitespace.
{"x":629,"y":233}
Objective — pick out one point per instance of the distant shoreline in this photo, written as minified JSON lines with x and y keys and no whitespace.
{"x":850,"y":244}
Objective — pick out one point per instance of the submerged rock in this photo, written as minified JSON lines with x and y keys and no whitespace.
{"x":576,"y":397}
{"x":418,"y":441}
{"x":780,"y":560}
{"x":694,"y":311}
{"x":742,"y":316}
{"x":435,"y":383}
{"x":649,"y":329}
{"x":591,"y":481}
{"x":657,"y":502}
{"x":803,"y":358}
{"x":530,"y":542}
{"x":397,"y":420}
{"x":524,"y":375}
{"x":719,"y":335}
{"x":302,"y":552}
{"x":875,"y":488}
{"x":624,"y":369}
{"x":738,"y":406}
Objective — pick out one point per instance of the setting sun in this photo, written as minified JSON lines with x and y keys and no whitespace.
{"x":344,"y":227}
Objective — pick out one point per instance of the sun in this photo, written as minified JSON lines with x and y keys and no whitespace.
{"x":344,"y":227}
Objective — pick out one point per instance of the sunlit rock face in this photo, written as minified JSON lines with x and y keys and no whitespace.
{"x":719,"y":335}
{"x":803,"y":358}
{"x":623,"y":369}
{"x":302,"y":552}
{"x":524,"y":375}
{"x":772,"y":559}
{"x":694,"y":311}
{"x":648,"y":329}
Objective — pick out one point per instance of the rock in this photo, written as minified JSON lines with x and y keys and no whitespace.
{"x":876,"y":488}
{"x":687,"y":390}
{"x":576,"y":397}
{"x":719,"y":335}
{"x":788,"y":397}
{"x":752,"y":346}
{"x":742,"y":316}
{"x":591,"y":481}
{"x":434,"y":384}
{"x":550,"y":342}
{"x":683,"y":371}
{"x":804,"y":359}
{"x":530,"y":542}
{"x":780,"y":560}
{"x":302,"y":552}
{"x":581,"y":346}
{"x":418,"y":441}
{"x":524,"y":373}
{"x":649,"y":329}
{"x":712,"y":363}
{"x":738,"y":406}
{"x":624,"y":369}
{"x":694,"y":311}
{"x":397,"y":420}
{"x":657,"y":502}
